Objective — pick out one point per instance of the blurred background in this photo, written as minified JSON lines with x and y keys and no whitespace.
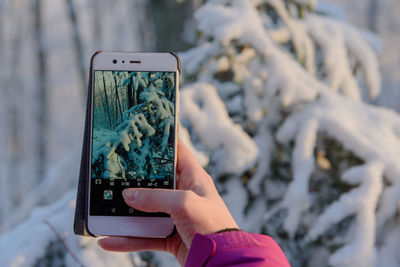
{"x":44,"y":61}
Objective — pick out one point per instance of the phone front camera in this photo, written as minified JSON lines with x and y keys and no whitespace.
{"x":115,"y":61}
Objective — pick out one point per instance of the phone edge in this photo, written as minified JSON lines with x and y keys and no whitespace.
{"x":90,"y":104}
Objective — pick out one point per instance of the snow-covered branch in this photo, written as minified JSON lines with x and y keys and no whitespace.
{"x":289,"y":79}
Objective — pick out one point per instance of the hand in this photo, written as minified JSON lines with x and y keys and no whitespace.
{"x":195,"y":207}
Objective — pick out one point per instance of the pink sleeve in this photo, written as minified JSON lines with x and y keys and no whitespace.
{"x":236,"y":248}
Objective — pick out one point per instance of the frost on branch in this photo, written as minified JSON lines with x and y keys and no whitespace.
{"x":295,"y":31}
{"x":185,"y":137}
{"x":240,"y":21}
{"x":205,"y":111}
{"x":296,"y":198}
{"x":336,"y":40}
{"x":361,"y":201}
{"x":388,"y":254}
{"x":290,"y":78}
{"x":351,"y":125}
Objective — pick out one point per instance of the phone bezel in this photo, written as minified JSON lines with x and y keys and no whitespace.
{"x":125,"y":225}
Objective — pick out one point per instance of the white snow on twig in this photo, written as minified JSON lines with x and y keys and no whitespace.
{"x":362,"y":202}
{"x":28,"y":242}
{"x":296,"y":198}
{"x":206,"y":112}
{"x":388,"y":254}
{"x":200,"y":155}
{"x":336,"y":40}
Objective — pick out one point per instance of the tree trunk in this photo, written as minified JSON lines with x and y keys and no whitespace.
{"x":79,"y":55}
{"x":167,"y":26}
{"x":97,"y":29}
{"x":142,"y":19}
{"x":42,"y":89}
{"x":372,"y":15}
{"x":117,"y":102}
{"x":129,"y":92}
{"x":135,"y":95}
{"x":106,"y":99}
{"x":5,"y":107}
{"x":98,"y":96}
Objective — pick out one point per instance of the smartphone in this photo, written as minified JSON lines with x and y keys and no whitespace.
{"x":133,"y":139}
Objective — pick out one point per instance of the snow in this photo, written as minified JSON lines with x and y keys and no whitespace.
{"x":296,"y":198}
{"x":338,"y":72}
{"x":59,"y":178}
{"x":388,"y":254}
{"x":351,"y":125}
{"x":24,"y":245}
{"x":200,"y":155}
{"x":23,"y":188}
{"x":225,"y":24}
{"x":363,"y":55}
{"x":227,"y":89}
{"x":264,"y":142}
{"x":134,"y":132}
{"x":236,"y":200}
{"x":302,"y":43}
{"x":194,"y":57}
{"x":235,"y":105}
{"x":381,"y":17}
{"x":362,"y":201}
{"x":331,"y":10}
{"x":201,"y":105}
{"x":292,"y":82}
{"x":318,"y":101}
{"x":311,"y":3}
{"x":238,"y":21}
{"x":139,"y":121}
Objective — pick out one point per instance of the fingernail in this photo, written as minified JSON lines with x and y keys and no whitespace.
{"x":129,"y":195}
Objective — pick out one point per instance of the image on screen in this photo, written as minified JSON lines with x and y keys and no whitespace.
{"x":133,"y":137}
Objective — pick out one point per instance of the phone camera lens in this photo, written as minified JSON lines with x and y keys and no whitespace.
{"x":115,"y":61}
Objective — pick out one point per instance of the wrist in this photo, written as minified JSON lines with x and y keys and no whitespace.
{"x":226,"y":230}
{"x":204,"y":247}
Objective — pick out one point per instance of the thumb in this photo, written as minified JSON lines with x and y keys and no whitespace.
{"x":158,"y":200}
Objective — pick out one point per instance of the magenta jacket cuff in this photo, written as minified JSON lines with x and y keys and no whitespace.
{"x":235,"y":248}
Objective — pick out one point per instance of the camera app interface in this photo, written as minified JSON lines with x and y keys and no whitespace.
{"x":132,"y":137}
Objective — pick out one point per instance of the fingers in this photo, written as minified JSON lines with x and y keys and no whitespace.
{"x":191,"y":176}
{"x":159,"y":200}
{"x":124,"y":244}
{"x":173,"y":245}
{"x":187,"y":162}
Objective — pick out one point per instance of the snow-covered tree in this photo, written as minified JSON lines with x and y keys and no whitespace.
{"x":273,"y":102}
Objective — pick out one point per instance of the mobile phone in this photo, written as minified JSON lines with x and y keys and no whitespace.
{"x":133,"y":139}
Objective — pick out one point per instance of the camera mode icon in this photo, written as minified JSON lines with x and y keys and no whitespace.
{"x":108,"y":194}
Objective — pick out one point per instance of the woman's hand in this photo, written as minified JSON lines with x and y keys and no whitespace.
{"x":195,"y":207}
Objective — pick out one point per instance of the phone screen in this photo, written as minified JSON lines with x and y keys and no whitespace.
{"x":133,"y":137}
